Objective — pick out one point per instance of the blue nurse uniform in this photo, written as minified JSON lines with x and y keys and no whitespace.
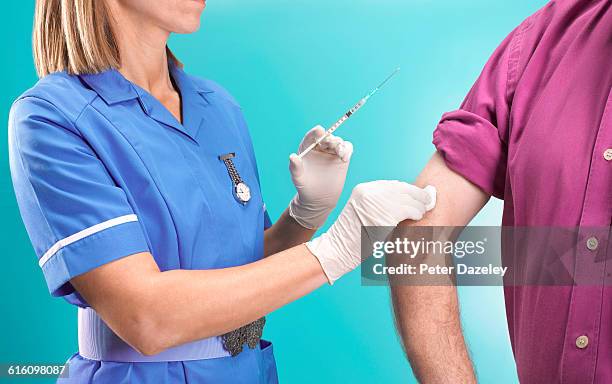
{"x":102,"y":170}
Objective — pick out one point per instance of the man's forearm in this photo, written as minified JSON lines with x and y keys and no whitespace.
{"x":427,"y":318}
{"x":427,"y":312}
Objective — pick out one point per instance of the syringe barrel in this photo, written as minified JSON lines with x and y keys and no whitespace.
{"x":356,"y":107}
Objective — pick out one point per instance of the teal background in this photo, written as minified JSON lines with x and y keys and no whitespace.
{"x":291,"y":65}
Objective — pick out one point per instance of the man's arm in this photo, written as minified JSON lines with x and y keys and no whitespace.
{"x":427,"y":317}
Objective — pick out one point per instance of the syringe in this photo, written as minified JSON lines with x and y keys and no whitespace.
{"x":348,"y":114}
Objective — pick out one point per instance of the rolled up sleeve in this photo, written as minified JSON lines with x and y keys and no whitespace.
{"x":472,"y":139}
{"x":77,"y":218}
{"x":471,"y":146}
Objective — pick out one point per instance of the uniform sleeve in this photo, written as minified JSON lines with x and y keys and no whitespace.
{"x":472,"y":139}
{"x":76,"y":217}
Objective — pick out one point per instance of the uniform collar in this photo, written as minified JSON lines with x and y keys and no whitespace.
{"x":110,"y":85}
{"x":185,"y":83}
{"x":194,"y":100}
{"x":114,"y":88}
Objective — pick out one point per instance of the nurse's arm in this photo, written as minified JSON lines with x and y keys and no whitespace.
{"x":427,"y":317}
{"x":284,"y":234}
{"x":153,"y":310}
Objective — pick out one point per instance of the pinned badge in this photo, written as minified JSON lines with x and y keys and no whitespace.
{"x":241,"y":191}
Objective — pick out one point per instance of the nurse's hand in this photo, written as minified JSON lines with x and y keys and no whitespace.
{"x":318,"y":177}
{"x":382,"y":203}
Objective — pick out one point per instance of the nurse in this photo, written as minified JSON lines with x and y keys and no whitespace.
{"x":138,"y":186}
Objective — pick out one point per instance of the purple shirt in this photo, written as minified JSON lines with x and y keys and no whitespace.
{"x":536,"y":131}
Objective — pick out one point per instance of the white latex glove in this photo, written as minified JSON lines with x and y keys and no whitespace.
{"x":318,"y":177}
{"x":382,"y":203}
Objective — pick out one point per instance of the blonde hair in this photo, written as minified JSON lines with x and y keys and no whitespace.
{"x":75,"y":36}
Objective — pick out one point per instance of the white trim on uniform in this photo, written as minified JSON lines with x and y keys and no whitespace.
{"x":84,"y":233}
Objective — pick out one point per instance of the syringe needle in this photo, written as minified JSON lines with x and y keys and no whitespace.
{"x":348,"y":114}
{"x":384,"y":81}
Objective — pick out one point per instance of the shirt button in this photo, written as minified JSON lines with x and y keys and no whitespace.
{"x":582,"y":342}
{"x":592,"y":243}
{"x":608,"y":154}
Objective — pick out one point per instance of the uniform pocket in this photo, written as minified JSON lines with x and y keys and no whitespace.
{"x":270,"y":375}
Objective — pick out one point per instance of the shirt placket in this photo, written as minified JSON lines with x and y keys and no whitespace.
{"x":582,"y":335}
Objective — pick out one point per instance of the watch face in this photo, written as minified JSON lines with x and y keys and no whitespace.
{"x":243,"y":192}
